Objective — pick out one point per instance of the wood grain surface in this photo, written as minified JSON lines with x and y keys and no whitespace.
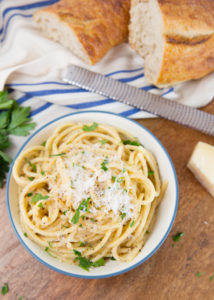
{"x":169,"y":274}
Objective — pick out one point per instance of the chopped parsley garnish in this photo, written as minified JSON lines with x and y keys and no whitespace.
{"x":92,"y":219}
{"x":82,"y":207}
{"x":83,"y":217}
{"x":4,"y":289}
{"x":21,"y":298}
{"x":43,"y":173}
{"x":64,"y":212}
{"x":40,"y":205}
{"x":198,"y":274}
{"x":80,"y":225}
{"x":50,"y":244}
{"x":86,"y":263}
{"x":25,"y":234}
{"x":44,"y":143}
{"x":102,"y":142}
{"x":82,"y":244}
{"x":123,"y":216}
{"x":151,"y":173}
{"x":177,"y":237}
{"x":113,"y":178}
{"x":112,"y":258}
{"x":123,"y":170}
{"x":121,"y":179}
{"x":38,"y":197}
{"x":90,"y":128}
{"x":47,"y":250}
{"x":29,"y":194}
{"x":211,"y":277}
{"x":59,"y":154}
{"x":33,"y":166}
{"x":103,"y":164}
{"x":83,"y":152}
{"x":31,"y":178}
{"x":147,"y":232}
{"x":132,"y":223}
{"x":133,"y":143}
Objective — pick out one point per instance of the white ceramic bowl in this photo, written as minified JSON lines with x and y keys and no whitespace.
{"x":166,"y":213}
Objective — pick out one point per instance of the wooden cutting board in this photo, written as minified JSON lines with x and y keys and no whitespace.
{"x":169,"y":274}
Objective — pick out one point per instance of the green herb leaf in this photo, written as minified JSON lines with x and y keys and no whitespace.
{"x":103,"y":164}
{"x":90,"y":128}
{"x":198,"y":274}
{"x":23,"y":129}
{"x":147,"y":232}
{"x":86,"y":263}
{"x":44,"y":143}
{"x":99,"y":263}
{"x":76,"y":252}
{"x":4,"y":289}
{"x":64,"y":212}
{"x":177,"y":237}
{"x":50,"y":244}
{"x":151,"y":173}
{"x":21,"y":298}
{"x":132,"y":223}
{"x":82,"y":207}
{"x":112,"y":258}
{"x":38,"y":197}
{"x":60,"y":154}
{"x":25,"y":234}
{"x":3,"y":170}
{"x":42,"y":172}
{"x":80,"y":225}
{"x":82,"y":244}
{"x":75,"y":218}
{"x":4,"y":119}
{"x":113,"y":178}
{"x":4,"y":141}
{"x":40,"y":205}
{"x":102,"y":142}
{"x":5,"y":103}
{"x":211,"y":277}
{"x":31,"y":178}
{"x":133,"y":143}
{"x":29,"y":194}
{"x":13,"y":120}
{"x":123,"y":216}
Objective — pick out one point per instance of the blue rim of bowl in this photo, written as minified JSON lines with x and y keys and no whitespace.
{"x":97,"y":276}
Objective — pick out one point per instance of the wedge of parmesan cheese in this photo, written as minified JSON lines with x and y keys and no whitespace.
{"x":201,"y":164}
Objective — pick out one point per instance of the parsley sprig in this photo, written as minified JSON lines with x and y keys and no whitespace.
{"x":82,"y":207}
{"x":86,"y":263}
{"x":90,"y":128}
{"x":14,"y":119}
{"x":4,"y":289}
{"x":129,"y":142}
{"x":103,"y":164}
{"x":38,"y":197}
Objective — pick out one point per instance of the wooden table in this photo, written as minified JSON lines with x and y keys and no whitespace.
{"x":169,"y":274}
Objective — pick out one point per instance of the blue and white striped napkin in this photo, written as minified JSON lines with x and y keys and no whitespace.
{"x":31,"y":68}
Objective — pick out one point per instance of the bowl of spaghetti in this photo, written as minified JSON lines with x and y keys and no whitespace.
{"x":92,"y":194}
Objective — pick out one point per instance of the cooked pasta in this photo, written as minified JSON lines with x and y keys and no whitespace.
{"x":88,"y":193}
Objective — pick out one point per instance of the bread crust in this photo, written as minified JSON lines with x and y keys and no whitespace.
{"x":189,"y":40}
{"x":98,"y":25}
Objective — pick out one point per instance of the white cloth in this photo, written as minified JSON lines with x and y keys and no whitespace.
{"x":31,"y":67}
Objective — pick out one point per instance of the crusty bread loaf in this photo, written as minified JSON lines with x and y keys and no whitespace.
{"x":89,"y":28}
{"x":176,"y":38}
